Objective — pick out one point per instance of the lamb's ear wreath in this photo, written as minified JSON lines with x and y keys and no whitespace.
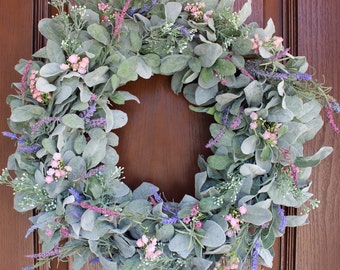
{"x":264,"y":104}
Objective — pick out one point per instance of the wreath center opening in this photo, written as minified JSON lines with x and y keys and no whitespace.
{"x":162,"y":139}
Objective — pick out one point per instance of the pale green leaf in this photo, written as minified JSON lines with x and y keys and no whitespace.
{"x":257,"y":215}
{"x":88,"y":220}
{"x":54,"y":52}
{"x":313,"y":160}
{"x":73,"y":121}
{"x":173,"y":63}
{"x":95,"y":151}
{"x":208,"y":53}
{"x":52,"y":29}
{"x":182,"y":244}
{"x":249,"y":145}
{"x":44,"y":86}
{"x":204,"y":95}
{"x":214,"y":235}
{"x":98,"y":76}
{"x":245,"y":12}
{"x":251,"y":169}
{"x":99,"y":33}
{"x":172,"y":11}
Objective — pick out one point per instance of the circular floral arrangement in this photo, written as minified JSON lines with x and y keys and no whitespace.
{"x":265,"y":107}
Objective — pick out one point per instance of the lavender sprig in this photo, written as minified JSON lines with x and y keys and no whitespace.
{"x":88,"y":113}
{"x":255,"y":256}
{"x":171,"y":220}
{"x":225,"y":115}
{"x":51,"y":253}
{"x":256,"y":70}
{"x":93,"y":171}
{"x":99,"y":122}
{"x":283,"y":219}
{"x":29,"y":149}
{"x":10,"y":135}
{"x":335,"y":106}
{"x":303,"y":77}
{"x":45,"y":120}
{"x":75,"y":194}
{"x":156,"y":195}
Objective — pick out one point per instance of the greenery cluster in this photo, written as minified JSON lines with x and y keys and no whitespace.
{"x":264,"y":108}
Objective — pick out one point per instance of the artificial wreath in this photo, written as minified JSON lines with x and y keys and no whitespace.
{"x":264,"y":105}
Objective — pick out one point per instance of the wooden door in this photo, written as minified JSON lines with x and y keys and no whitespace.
{"x":15,"y":42}
{"x":163,"y":138}
{"x":317,"y":28}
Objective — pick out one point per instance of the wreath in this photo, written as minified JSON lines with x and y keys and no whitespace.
{"x":264,"y":104}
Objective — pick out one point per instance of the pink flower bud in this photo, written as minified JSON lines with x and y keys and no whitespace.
{"x":73,"y":59}
{"x":56,"y":156}
{"x":242,"y":210}
{"x":49,"y":179}
{"x":64,"y":67}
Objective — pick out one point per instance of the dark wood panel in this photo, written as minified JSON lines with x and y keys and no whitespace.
{"x":162,"y":139}
{"x":15,"y":43}
{"x":318,"y":244}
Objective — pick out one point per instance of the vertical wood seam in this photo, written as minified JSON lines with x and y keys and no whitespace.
{"x":40,"y":10}
{"x":290,"y":31}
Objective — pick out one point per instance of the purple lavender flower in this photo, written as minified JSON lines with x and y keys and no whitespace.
{"x":29,"y":267}
{"x":225,"y":115}
{"x":212,"y":142}
{"x":45,"y":120}
{"x":75,"y":194}
{"x":132,"y":11}
{"x":283,"y":221}
{"x":254,"y":68}
{"x":281,"y":54}
{"x":93,"y":171}
{"x":303,"y":77}
{"x":88,"y":113}
{"x":167,"y":207}
{"x":255,"y":255}
{"x":29,"y":149}
{"x":99,"y":122}
{"x":21,"y":140}
{"x":10,"y":135}
{"x":184,"y":30}
{"x":335,"y":106}
{"x":94,"y":260}
{"x":237,"y":120}
{"x":156,"y":195}
{"x":53,"y":252}
{"x":146,"y":8}
{"x":171,"y":220}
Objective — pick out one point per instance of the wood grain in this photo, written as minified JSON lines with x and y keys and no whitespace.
{"x":318,"y":244}
{"x":15,"y":40}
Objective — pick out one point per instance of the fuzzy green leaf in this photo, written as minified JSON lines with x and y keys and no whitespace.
{"x":73,"y":121}
{"x":98,"y":76}
{"x":99,"y":33}
{"x":173,"y":63}
{"x":208,"y":53}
